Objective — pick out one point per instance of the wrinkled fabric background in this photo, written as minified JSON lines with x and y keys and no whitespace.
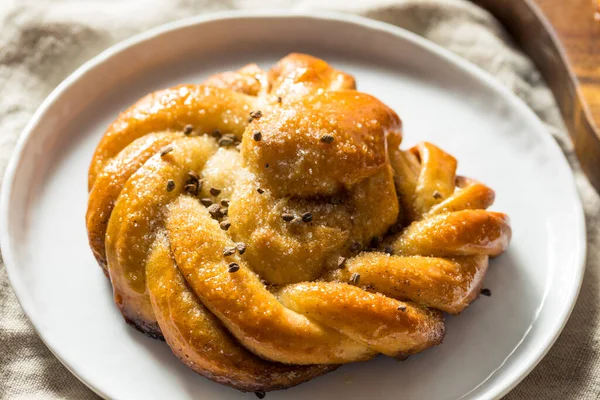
{"x":42,"y":42}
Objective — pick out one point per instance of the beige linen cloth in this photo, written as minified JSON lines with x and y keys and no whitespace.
{"x":42,"y":42}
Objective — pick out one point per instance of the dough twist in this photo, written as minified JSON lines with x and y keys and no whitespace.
{"x":242,"y":221}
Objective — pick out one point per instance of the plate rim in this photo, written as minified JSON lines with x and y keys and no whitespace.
{"x":485,"y":78}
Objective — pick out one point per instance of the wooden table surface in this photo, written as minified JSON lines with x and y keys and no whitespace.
{"x":562,"y":37}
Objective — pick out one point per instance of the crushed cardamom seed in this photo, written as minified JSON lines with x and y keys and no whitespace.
{"x":307,"y":217}
{"x":229,"y":251}
{"x":225,"y":225}
{"x":233,"y":267}
{"x":255,"y":114}
{"x":287,"y":217}
{"x":191,"y":188}
{"x":166,"y":150}
{"x":241,"y":247}
{"x":226,"y":141}
{"x":206,"y":202}
{"x":215,"y":211}
{"x":170,"y":185}
{"x":327,"y":139}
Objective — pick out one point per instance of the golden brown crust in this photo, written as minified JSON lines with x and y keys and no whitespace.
{"x":250,"y":80}
{"x":294,"y":158}
{"x":394,"y":329}
{"x":283,"y":252}
{"x":216,"y":109}
{"x":138,"y":212}
{"x":242,"y":302}
{"x":110,"y":183}
{"x":447,"y":284}
{"x":298,"y":75}
{"x":230,"y":217}
{"x":199,"y":339}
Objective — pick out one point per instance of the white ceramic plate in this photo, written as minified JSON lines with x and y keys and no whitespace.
{"x":487,"y":350}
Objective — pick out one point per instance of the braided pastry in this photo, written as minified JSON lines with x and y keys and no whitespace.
{"x":269,"y":228}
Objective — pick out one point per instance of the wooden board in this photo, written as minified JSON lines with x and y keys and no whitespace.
{"x":563,"y":39}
